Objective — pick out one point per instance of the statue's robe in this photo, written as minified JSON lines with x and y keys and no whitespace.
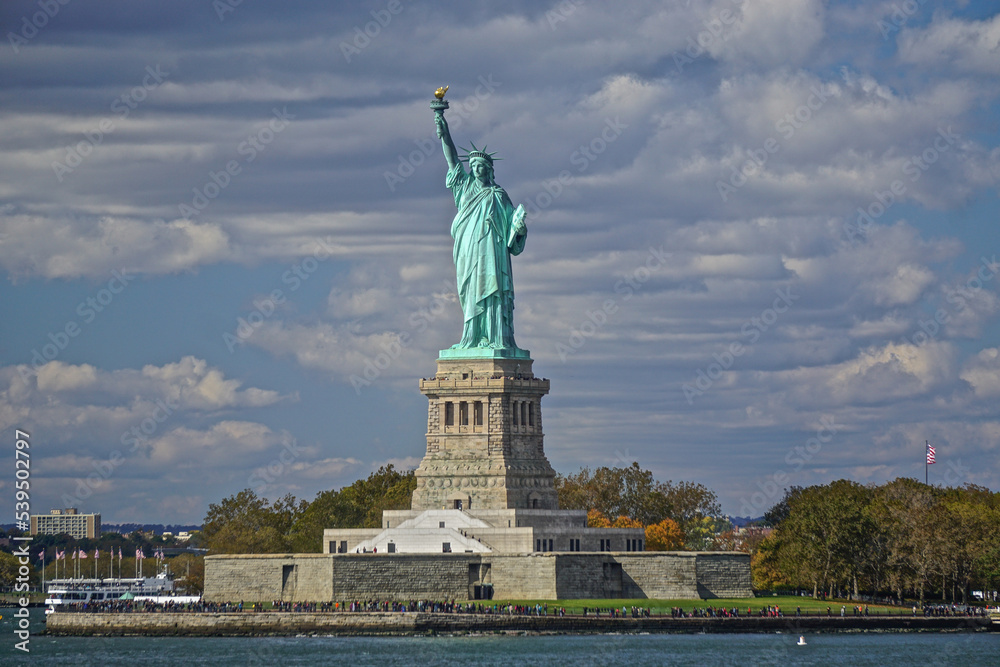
{"x":484,"y":241}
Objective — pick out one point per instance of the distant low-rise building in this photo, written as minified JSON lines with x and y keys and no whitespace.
{"x":68,"y":521}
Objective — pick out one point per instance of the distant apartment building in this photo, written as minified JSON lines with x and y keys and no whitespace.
{"x":67,"y":520}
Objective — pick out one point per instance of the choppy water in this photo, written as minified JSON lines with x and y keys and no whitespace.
{"x":749,"y":649}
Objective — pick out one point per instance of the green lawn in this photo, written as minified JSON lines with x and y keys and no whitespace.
{"x":787,"y":604}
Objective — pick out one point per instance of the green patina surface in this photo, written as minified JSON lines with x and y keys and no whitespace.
{"x":484,"y":353}
{"x":487,"y":230}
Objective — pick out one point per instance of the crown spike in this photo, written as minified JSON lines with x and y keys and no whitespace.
{"x":478,"y":153}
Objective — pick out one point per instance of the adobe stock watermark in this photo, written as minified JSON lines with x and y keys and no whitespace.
{"x":30,"y":28}
{"x":786,"y":126}
{"x":959,"y":297}
{"x":223,"y":7}
{"x":581,"y":158}
{"x":251,"y":147}
{"x":913,"y":168}
{"x":459,"y":112}
{"x":133,"y":438}
{"x":419,"y":320}
{"x":717,"y":28}
{"x":752,"y":330}
{"x":88,"y":310}
{"x":264,"y":308}
{"x":561,"y":12}
{"x":772,"y":486}
{"x":363,"y":37}
{"x":901,"y":13}
{"x":122,"y":106}
{"x":597,"y":318}
{"x":261,"y":478}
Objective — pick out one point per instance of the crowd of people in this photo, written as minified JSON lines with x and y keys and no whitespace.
{"x":614,"y":612}
{"x":453,"y":607}
{"x":955,"y":610}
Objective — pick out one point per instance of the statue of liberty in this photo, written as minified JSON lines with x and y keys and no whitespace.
{"x":487,"y":230}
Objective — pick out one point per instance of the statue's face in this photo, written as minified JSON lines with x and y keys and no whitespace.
{"x":480,"y":170}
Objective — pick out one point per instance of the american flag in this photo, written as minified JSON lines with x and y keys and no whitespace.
{"x":930,"y":454}
{"x":83,"y":554}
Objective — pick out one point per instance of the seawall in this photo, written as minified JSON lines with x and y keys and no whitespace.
{"x":407,"y":623}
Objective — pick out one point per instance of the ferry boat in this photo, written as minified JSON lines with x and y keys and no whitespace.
{"x":158,"y":589}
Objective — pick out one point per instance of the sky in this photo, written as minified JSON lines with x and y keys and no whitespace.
{"x":762,"y":239}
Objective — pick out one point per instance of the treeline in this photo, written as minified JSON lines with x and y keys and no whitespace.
{"x":155,"y":528}
{"x":675,"y":516}
{"x":682,"y":515}
{"x":903,"y":538}
{"x":248,"y":524}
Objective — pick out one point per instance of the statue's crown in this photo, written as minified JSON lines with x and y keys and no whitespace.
{"x":477,"y":153}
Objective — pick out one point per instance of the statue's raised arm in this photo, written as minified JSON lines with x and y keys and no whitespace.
{"x":487,"y":230}
{"x":450,"y":152}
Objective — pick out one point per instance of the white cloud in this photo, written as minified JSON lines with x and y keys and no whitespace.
{"x":768,"y":32}
{"x":983,"y":373}
{"x":54,"y":246}
{"x":98,"y":408}
{"x":878,"y":374}
{"x":954,"y":44}
{"x":599,"y":96}
{"x":185,"y":448}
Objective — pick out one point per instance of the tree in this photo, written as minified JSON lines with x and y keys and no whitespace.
{"x":9,"y":568}
{"x":826,"y":527}
{"x":703,"y":531}
{"x":189,"y":569}
{"x":664,"y":536}
{"x":912,"y":522}
{"x":633,"y":492}
{"x":359,"y":505}
{"x":246,"y":523}
{"x":766,"y":567}
{"x":596,"y":519}
{"x":780,"y":511}
{"x":689,"y":503}
{"x":626,"y":522}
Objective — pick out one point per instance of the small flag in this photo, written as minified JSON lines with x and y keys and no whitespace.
{"x":930,"y":454}
{"x":83,"y":554}
{"x":41,"y":555}
{"x":97,"y":553}
{"x":119,"y":553}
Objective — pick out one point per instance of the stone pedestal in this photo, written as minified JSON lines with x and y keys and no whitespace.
{"x":484,"y":438}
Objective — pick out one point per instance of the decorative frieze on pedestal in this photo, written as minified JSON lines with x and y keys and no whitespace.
{"x":484,"y":438}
